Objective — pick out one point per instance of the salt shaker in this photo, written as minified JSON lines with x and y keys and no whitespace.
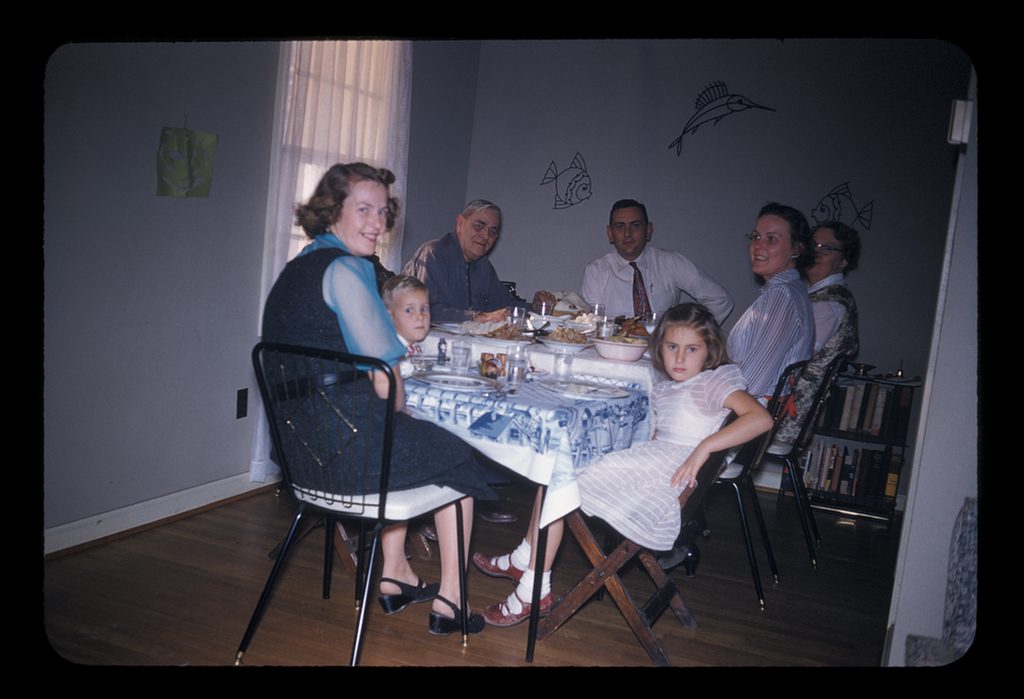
{"x":442,"y":350}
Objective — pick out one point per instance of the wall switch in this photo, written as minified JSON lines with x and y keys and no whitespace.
{"x":242,"y":403}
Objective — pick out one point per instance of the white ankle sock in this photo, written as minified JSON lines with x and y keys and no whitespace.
{"x":524,"y":590}
{"x":520,"y":557}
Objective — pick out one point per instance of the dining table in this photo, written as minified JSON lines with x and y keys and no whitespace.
{"x":546,"y":428}
{"x":549,"y":428}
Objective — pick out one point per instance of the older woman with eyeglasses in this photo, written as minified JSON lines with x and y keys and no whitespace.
{"x":778,"y":328}
{"x":836,"y":251}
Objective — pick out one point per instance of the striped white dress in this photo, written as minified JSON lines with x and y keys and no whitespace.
{"x":630,"y":489}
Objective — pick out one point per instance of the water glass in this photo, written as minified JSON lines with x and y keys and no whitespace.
{"x":518,"y":364}
{"x":605,"y":327}
{"x":650,"y":321}
{"x":515,"y":317}
{"x":563,"y":364}
{"x":460,"y":355}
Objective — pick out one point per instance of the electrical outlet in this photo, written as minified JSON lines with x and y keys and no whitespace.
{"x":242,"y":403}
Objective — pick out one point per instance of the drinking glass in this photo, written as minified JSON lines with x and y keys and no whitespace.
{"x":563,"y":364}
{"x":518,"y":364}
{"x":515,"y":317}
{"x":460,"y":355}
{"x":650,"y":320}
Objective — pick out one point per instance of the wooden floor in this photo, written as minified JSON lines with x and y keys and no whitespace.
{"x":181,"y":594}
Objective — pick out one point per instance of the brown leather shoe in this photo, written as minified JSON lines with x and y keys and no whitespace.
{"x":488,"y":565}
{"x":498,"y":614}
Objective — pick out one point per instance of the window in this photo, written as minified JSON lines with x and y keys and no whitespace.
{"x":338,"y":101}
{"x":341,"y":101}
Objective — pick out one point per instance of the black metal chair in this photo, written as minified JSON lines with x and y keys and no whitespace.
{"x":739,"y":475}
{"x":331,"y":436}
{"x":790,"y":454}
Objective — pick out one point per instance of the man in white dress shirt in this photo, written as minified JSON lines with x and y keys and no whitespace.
{"x":636,"y":278}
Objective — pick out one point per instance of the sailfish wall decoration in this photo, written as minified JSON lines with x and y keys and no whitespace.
{"x":713,"y":104}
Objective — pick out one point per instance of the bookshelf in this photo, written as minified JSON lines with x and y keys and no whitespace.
{"x":857,"y":455}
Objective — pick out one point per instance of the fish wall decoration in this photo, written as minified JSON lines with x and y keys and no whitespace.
{"x":713,"y":104}
{"x":838,"y":205}
{"x":572,"y":185}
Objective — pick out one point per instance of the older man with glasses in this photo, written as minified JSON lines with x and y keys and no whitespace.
{"x":464,"y":286}
{"x":461,"y":280}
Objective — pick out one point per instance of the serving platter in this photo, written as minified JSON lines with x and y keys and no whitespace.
{"x":582,"y":389}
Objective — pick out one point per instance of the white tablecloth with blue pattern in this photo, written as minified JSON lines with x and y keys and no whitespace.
{"x":537,"y":432}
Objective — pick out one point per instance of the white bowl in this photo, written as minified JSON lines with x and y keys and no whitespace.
{"x":622,"y":351}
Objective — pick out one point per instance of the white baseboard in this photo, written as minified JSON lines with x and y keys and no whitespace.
{"x":116,"y":521}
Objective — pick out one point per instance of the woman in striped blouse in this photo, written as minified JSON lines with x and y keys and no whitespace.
{"x":778,"y":328}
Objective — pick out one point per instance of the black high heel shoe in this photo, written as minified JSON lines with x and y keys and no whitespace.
{"x":687,"y":554}
{"x":411,"y":594}
{"x":440,"y":625}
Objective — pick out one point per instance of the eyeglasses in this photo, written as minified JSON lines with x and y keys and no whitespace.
{"x":480,"y":226}
{"x":770,"y":239}
{"x":825,"y":247}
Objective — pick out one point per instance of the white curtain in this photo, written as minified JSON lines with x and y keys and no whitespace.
{"x":338,"y":102}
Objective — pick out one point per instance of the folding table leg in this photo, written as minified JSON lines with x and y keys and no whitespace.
{"x":538,"y":579}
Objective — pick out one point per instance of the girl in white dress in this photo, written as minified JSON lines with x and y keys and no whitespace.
{"x":640,"y":490}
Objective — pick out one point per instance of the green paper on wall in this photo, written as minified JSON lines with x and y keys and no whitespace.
{"x":184,"y":162}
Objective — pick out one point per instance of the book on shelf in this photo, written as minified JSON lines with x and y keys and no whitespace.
{"x":853,"y":475}
{"x":870,"y":400}
{"x":851,"y":407}
{"x":895,"y":466}
{"x":847,"y":472}
{"x":882,"y":403}
{"x":868,"y":409}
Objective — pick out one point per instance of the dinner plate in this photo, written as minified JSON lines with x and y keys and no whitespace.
{"x":500,"y":343}
{"x":581,"y":327}
{"x":537,"y":320}
{"x":573,"y":347}
{"x":582,"y":389}
{"x":454,"y":328}
{"x":457,"y":382}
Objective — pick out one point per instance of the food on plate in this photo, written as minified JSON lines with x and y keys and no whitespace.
{"x":475,"y":327}
{"x":627,"y":340}
{"x":635,"y":327}
{"x":505,"y":332}
{"x":568,"y":335}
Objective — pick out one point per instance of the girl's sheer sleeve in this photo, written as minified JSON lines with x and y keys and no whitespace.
{"x":725,"y":379}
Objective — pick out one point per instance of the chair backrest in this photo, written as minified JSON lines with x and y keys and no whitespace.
{"x":331,"y":434}
{"x":821,"y":394}
{"x":750,"y":455}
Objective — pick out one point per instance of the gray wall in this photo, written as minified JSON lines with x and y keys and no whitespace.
{"x":873,"y":113}
{"x":151,"y":302}
{"x":444,"y":77}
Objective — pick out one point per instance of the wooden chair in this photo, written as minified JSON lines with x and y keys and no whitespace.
{"x":605,"y":576}
{"x":323,"y":413}
{"x":790,"y":457}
